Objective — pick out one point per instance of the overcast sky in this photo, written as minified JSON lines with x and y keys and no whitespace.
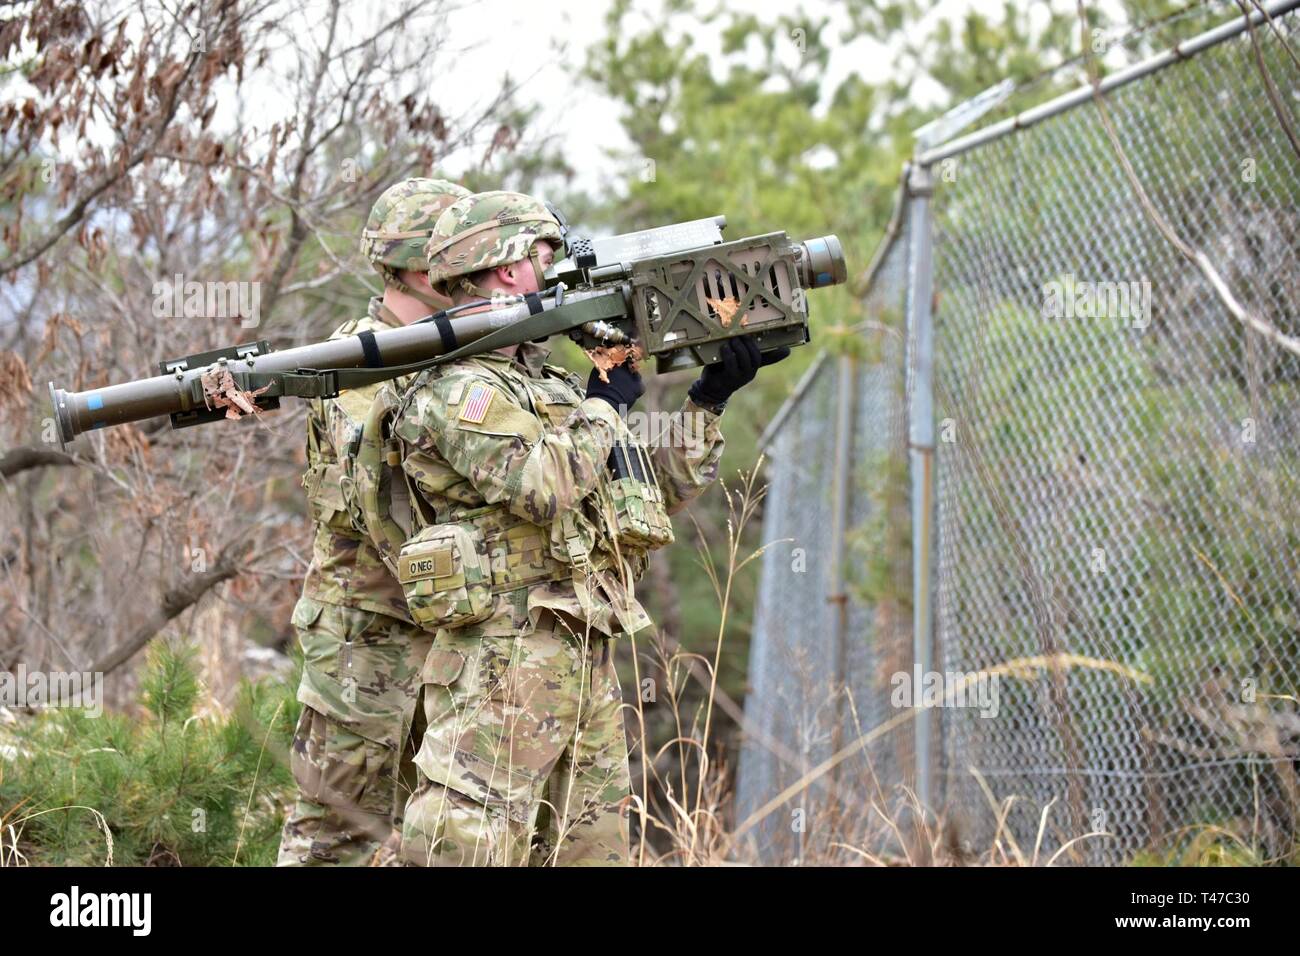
{"x":521,"y":38}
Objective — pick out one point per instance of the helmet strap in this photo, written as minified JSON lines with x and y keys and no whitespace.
{"x":475,"y":290}
{"x":538,"y":271}
{"x":389,"y":315}
{"x":479,"y":292}
{"x":393,"y":282}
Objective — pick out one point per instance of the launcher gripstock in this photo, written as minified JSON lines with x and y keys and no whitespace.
{"x":689,"y":290}
{"x":680,"y":291}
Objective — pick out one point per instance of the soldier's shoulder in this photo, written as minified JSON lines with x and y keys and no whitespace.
{"x":455,"y":375}
{"x":350,"y":327}
{"x":573,"y":379}
{"x":471,"y":394}
{"x":354,"y":403}
{"x":435,"y":394}
{"x":353,"y":326}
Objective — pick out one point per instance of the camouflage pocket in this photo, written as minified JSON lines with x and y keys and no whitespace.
{"x":640,"y":519}
{"x":306,"y":611}
{"x":490,"y":746}
{"x":337,"y":768}
{"x":322,"y":484}
{"x":360,"y":669}
{"x":318,"y":647}
{"x":446,"y":576}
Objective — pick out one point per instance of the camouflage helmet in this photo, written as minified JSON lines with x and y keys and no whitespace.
{"x":488,"y":230}
{"x":399,"y":226}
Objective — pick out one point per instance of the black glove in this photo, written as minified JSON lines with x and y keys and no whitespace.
{"x":739,"y":362}
{"x":622,"y":390}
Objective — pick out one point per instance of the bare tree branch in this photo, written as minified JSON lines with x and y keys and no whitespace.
{"x":115,"y":174}
{"x":17,"y":460}
{"x":175,"y":601}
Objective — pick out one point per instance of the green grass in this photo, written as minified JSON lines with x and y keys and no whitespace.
{"x":171,"y":787}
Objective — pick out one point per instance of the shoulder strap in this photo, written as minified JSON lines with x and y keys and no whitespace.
{"x":370,"y":462}
{"x":313,"y":440}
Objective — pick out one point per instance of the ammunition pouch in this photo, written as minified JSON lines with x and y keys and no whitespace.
{"x":445,"y":576}
{"x":639,"y":518}
{"x":451,"y":572}
{"x":637,"y":515}
{"x":322,"y":482}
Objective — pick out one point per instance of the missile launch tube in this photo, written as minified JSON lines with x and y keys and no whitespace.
{"x":77,"y":412}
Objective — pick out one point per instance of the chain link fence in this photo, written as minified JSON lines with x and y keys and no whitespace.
{"x":1116,"y":492}
{"x":829,"y":633}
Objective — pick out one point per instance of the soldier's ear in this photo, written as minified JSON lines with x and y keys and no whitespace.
{"x":416,"y":280}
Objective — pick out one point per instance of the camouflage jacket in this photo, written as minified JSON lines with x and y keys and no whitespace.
{"x":515,"y":431}
{"x":345,"y":568}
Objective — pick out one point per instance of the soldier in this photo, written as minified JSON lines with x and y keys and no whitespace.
{"x":362,"y":652}
{"x":520,"y":511}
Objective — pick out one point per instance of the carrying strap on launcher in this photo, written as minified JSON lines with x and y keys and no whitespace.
{"x":370,"y":461}
{"x":327,"y":383}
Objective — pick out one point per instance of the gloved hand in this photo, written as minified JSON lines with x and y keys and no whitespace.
{"x":622,"y":390}
{"x":739,"y":362}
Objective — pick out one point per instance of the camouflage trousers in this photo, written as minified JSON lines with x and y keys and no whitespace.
{"x":523,"y":759}
{"x":359,"y":690}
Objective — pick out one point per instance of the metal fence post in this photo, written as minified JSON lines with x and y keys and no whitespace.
{"x":920,"y":359}
{"x":845,"y":404}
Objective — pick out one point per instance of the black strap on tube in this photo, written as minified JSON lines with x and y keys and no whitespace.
{"x":326,"y":383}
{"x":445,"y":331}
{"x":370,"y":349}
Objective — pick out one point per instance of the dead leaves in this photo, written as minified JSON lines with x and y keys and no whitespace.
{"x":606,"y":357}
{"x":50,"y":340}
{"x":15,"y":384}
{"x":220,"y":391}
{"x":727,"y":309}
{"x":11,"y":36}
{"x":93,"y":240}
{"x":505,"y":138}
{"x":125,"y":443}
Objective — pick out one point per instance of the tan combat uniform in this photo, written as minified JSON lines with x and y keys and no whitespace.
{"x":520,"y":559}
{"x":362,"y":658}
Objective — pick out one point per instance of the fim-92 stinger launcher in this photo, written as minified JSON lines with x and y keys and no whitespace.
{"x":678,"y":291}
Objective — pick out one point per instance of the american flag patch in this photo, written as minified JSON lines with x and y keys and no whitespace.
{"x":475,"y":404}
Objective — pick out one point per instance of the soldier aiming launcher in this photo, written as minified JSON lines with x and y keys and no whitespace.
{"x":679,"y":291}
